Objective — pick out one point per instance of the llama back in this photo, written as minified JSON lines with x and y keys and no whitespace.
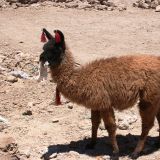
{"x":116,"y":81}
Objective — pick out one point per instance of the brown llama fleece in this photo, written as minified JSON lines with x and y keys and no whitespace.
{"x":106,"y":84}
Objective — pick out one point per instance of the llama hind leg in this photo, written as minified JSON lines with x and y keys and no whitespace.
{"x":109,"y":122}
{"x":158,"y":119}
{"x":147,"y":113}
{"x":95,"y":119}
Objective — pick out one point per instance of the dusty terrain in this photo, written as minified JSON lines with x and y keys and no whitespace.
{"x":63,"y":131}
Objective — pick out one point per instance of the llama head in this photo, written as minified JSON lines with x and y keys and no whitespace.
{"x":54,"y":49}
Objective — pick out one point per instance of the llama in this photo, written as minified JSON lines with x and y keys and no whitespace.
{"x":107,"y":84}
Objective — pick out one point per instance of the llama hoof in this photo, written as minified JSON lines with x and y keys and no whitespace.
{"x":90,"y":146}
{"x":157,"y":144}
{"x":134,"y":156}
{"x":115,"y":156}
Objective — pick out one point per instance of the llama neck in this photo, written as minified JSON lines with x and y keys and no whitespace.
{"x":62,"y":74}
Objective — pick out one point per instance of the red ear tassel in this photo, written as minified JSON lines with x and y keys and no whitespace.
{"x":58,"y":98}
{"x":43,"y":37}
{"x":57,"y":38}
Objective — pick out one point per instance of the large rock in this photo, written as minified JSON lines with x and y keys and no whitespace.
{"x":158,"y":8}
{"x":7,"y":143}
{"x":71,"y":5}
{"x":146,"y":4}
{"x":11,"y":79}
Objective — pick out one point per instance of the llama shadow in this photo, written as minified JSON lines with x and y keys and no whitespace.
{"x":126,"y":144}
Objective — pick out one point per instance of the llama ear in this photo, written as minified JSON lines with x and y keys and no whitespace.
{"x":59,"y":37}
{"x":46,"y":34}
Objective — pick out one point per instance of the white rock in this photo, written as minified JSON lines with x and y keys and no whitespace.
{"x":144,"y":5}
{"x":11,"y":79}
{"x":106,"y":157}
{"x":35,"y":5}
{"x":4,"y":120}
{"x":110,"y":8}
{"x":30,"y":104}
{"x":25,"y":151}
{"x":123,"y":125}
{"x":158,"y":8}
{"x":101,"y":7}
{"x":19,"y":74}
{"x":84,"y":5}
{"x":71,"y":5}
{"x":101,"y":126}
{"x":74,"y":153}
{"x":54,"y":155}
{"x":122,"y":7}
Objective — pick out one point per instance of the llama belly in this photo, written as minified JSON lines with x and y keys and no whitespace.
{"x":124,"y":102}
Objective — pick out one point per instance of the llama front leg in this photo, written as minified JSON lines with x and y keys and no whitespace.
{"x":95,"y":119}
{"x":158,"y":119}
{"x":109,"y":122}
{"x":147,"y":113}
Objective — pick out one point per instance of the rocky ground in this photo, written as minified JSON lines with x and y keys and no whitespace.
{"x":31,"y":126}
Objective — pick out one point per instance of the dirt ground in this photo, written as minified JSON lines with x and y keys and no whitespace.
{"x":64,"y":130}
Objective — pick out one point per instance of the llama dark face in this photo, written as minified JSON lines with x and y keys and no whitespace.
{"x":54,"y":49}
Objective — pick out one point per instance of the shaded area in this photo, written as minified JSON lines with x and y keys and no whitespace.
{"x":126,"y":144}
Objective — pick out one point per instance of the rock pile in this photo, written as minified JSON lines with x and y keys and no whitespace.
{"x":79,"y":4}
{"x":147,"y":4}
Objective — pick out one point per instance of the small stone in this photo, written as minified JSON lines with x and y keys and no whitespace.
{"x":27,"y":113}
{"x":71,"y":5}
{"x":122,"y":7}
{"x":106,"y":157}
{"x":30,"y":104}
{"x":6,"y":44}
{"x":110,"y":8}
{"x":148,"y":1}
{"x":158,"y":8}
{"x":55,"y":121}
{"x":101,"y":7}
{"x":102,"y":127}
{"x":70,"y":106}
{"x":14,"y":6}
{"x":45,"y":133}
{"x":84,"y":5}
{"x":54,"y":155}
{"x":123,"y":125}
{"x":109,"y":4}
{"x":135,"y":4}
{"x":11,"y":79}
{"x":93,"y":2}
{"x":144,"y":5}
{"x":74,"y":153}
{"x":35,"y":5}
{"x":12,"y":1}
{"x":2,"y":127}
